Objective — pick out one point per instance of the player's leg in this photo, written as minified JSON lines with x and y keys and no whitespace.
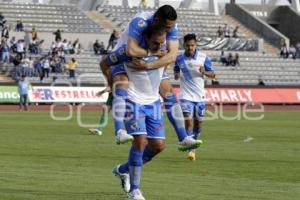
{"x":155,"y":131}
{"x":136,"y":126}
{"x":104,"y":116}
{"x":120,"y":86}
{"x":175,"y":116}
{"x":188,"y":109}
{"x":199,"y":110}
{"x":173,"y":110}
{"x":198,"y":118}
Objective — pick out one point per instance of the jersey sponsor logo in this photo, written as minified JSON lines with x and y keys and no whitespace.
{"x":122,"y":51}
{"x":141,"y":23}
{"x":113,"y":58}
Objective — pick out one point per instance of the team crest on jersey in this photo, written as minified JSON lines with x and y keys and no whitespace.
{"x":141,"y":23}
{"x":113,"y":57}
{"x":134,"y":126}
{"x":122,"y":51}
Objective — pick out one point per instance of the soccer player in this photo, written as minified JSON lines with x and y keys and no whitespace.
{"x":144,"y":118}
{"x":104,"y":115}
{"x":191,"y":67}
{"x":130,"y":45}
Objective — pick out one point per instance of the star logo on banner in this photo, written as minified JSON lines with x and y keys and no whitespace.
{"x":36,"y":94}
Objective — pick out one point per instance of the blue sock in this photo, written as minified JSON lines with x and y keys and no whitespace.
{"x":135,"y":167}
{"x":175,"y":116}
{"x":197,"y":133}
{"x":119,"y":108}
{"x":148,"y":155}
{"x":189,"y":132}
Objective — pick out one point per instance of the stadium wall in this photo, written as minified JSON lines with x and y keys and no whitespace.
{"x":288,"y":21}
{"x":257,"y":25}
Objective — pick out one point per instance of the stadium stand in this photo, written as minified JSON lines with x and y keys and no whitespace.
{"x":48,"y":18}
{"x":254,"y":66}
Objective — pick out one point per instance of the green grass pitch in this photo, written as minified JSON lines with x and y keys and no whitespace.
{"x":43,"y":159}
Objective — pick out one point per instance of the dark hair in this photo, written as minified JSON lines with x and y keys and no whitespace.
{"x":154,"y":29}
{"x":190,"y":36}
{"x":166,"y":12}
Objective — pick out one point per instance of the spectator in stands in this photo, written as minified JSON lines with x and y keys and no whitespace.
{"x":17,"y":69}
{"x":65,"y":46}
{"x":70,"y":48}
{"x":220,"y":32}
{"x":229,"y":59}
{"x":58,"y":34}
{"x":77,"y":46}
{"x":5,"y":32}
{"x":19,"y":26}
{"x":23,"y":87}
{"x":298,"y":50}
{"x":4,"y":49}
{"x":34,"y":34}
{"x":292,"y":51}
{"x":226,"y":31}
{"x":236,"y":60}
{"x":2,"y":21}
{"x":20,"y":48}
{"x":235,"y":32}
{"x":61,"y":55}
{"x":113,"y":40}
{"x":284,"y":53}
{"x":98,"y":48}
{"x":37,"y":64}
{"x":260,"y":81}
{"x":71,"y":66}
{"x":33,"y":47}
{"x":223,"y":58}
{"x":45,"y":69}
{"x":13,"y":44}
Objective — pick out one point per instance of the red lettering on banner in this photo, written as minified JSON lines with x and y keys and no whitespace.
{"x":248,"y":95}
{"x":82,"y":94}
{"x":232,"y":95}
{"x":75,"y":93}
{"x":240,"y":95}
{"x":87,"y":94}
{"x":63,"y":94}
{"x":56,"y":93}
{"x":224,"y":96}
{"x":93,"y":94}
{"x":214,"y":95}
{"x":69,"y":94}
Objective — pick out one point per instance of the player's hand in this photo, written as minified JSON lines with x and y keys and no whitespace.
{"x":98,"y":94}
{"x":161,"y":53}
{"x":137,"y":64}
{"x":202,"y":70}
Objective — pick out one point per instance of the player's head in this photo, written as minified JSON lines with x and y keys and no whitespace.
{"x":190,"y":44}
{"x":155,"y":36}
{"x":166,"y":15}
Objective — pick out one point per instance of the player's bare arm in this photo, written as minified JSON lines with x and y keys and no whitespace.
{"x":166,"y":59}
{"x":209,"y":74}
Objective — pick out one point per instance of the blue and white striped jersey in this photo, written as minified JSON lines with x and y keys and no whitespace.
{"x":144,"y":85}
{"x":191,"y":79}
